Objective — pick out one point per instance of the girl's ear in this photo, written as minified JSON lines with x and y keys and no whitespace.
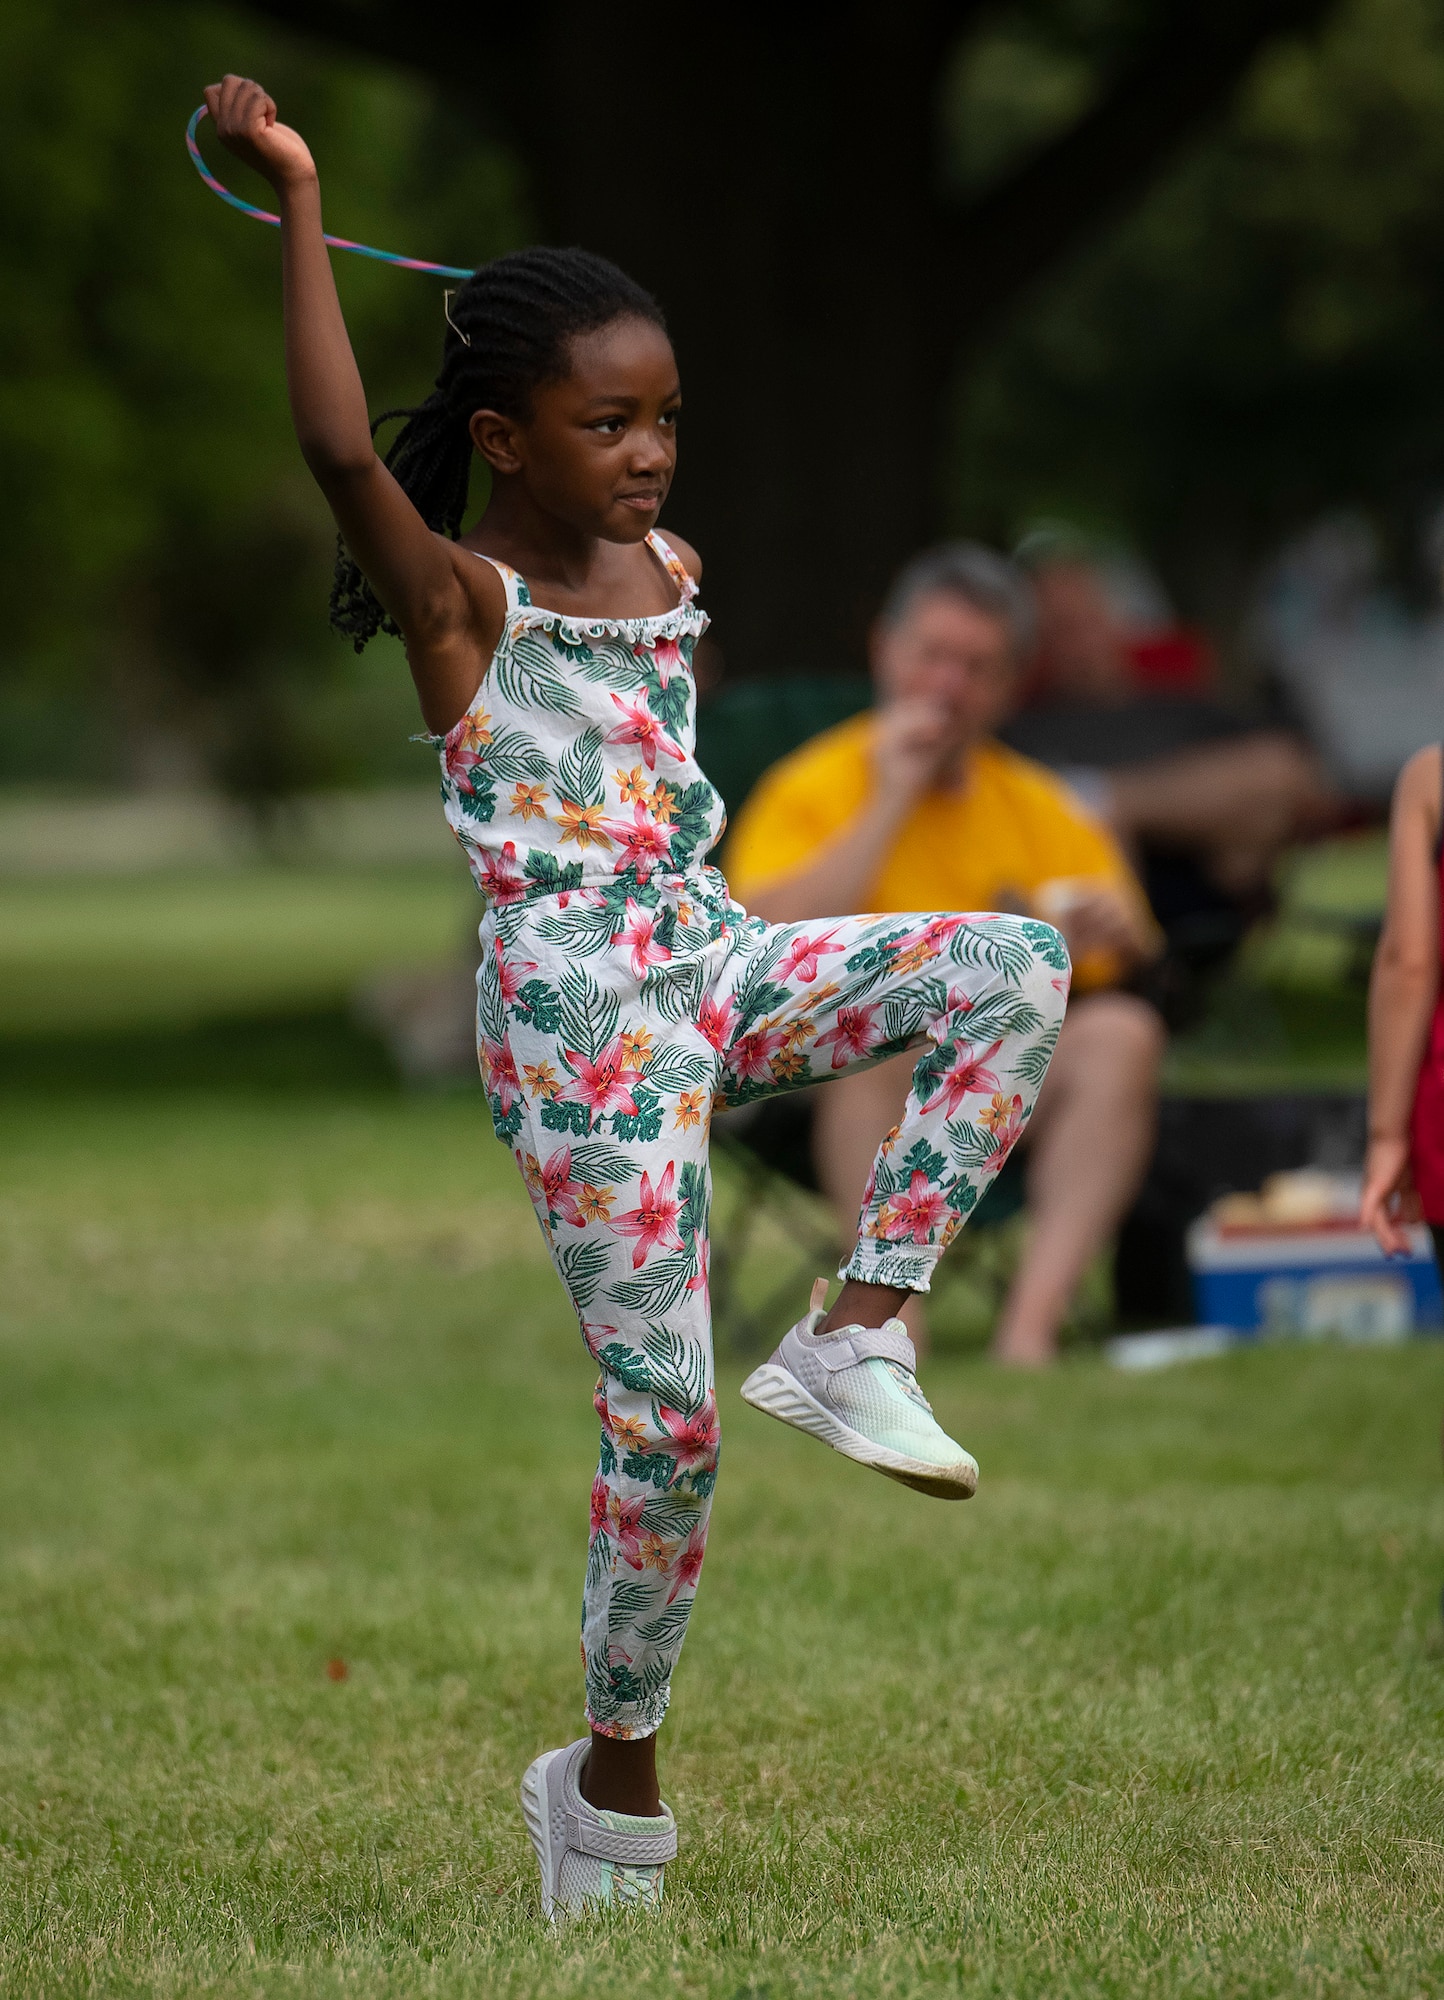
{"x":495,"y":437}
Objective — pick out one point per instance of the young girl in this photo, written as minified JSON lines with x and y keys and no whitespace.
{"x":622,"y":993}
{"x":1404,"y":1168}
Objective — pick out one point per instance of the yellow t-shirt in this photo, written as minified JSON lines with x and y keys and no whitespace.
{"x":994,"y":843}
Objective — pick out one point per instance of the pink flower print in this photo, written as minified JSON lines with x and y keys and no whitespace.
{"x":558,"y":1189}
{"x":914,"y":1215}
{"x":688,"y":1566}
{"x":933,"y":935}
{"x":501,"y":879}
{"x":750,"y":1056}
{"x":853,"y":1035}
{"x":606,"y":1084}
{"x":667,"y":656}
{"x":1004,"y":1119}
{"x":601,"y":1499}
{"x":639,"y":934}
{"x":624,"y":1524}
{"x":596,"y":1337}
{"x":654,"y":1219}
{"x":714,"y":1022}
{"x":803,"y":954}
{"x":498,"y":1073}
{"x":645,"y":842}
{"x":509,"y":977}
{"x":968,"y":1077}
{"x":464,"y":746}
{"x":691,"y":1442}
{"x":640,"y":726}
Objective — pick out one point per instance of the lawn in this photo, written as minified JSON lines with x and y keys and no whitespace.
{"x":289,"y":1393}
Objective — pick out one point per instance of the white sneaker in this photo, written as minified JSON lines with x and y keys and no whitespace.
{"x":590,"y":1859}
{"x":857,"y":1389}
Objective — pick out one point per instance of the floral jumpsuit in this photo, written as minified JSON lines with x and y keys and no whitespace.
{"x":623,"y":995}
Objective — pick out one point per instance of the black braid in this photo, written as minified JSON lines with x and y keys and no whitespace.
{"x":518,"y":315}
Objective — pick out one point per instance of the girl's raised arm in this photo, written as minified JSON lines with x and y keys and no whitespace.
{"x":1402,"y":991}
{"x":450,"y":618}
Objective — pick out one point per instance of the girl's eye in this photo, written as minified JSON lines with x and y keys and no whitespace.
{"x":670,"y":416}
{"x":611,"y":425}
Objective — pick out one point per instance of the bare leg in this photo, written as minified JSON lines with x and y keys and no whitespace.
{"x":621,"y":1776}
{"x":1091,"y":1136}
{"x":853,"y":1117}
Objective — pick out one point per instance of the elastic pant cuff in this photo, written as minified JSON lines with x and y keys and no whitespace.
{"x":908,"y":1270}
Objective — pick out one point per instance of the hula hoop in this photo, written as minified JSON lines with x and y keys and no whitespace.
{"x":336,"y":242}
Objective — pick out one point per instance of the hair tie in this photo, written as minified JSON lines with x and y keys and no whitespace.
{"x":335,"y":242}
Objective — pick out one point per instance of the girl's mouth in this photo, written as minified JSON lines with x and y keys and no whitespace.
{"x":641,"y":503}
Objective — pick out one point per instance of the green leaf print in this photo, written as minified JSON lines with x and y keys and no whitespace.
{"x":998,"y":946}
{"x":670,"y":704}
{"x":668,"y":1627}
{"x":580,"y":771}
{"x":670,"y":1369}
{"x":576,"y":651}
{"x":506,"y":1124}
{"x":588,"y":1014}
{"x":1032,"y":1064}
{"x":598,"y":1163}
{"x":563,"y":1114}
{"x":672,"y":1069}
{"x":607,"y":1457}
{"x":692,"y":1193}
{"x":674,"y":990}
{"x":583,"y":1266}
{"x":647,"y":1125}
{"x":921,"y":1159}
{"x":581,"y":931}
{"x":698,"y":806}
{"x":538,"y":1006}
{"x":651,"y":1468}
{"x":998,"y":1015}
{"x":514,"y":759}
{"x":1047,"y":943}
{"x":479,"y":801}
{"x":528,"y":677}
{"x":552,"y":877}
{"x":611,"y":664}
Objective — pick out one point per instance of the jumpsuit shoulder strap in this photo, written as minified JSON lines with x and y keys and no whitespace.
{"x":668,"y":557}
{"x":513,"y":582}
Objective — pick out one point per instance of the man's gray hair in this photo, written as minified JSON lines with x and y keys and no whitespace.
{"x":984,"y":579}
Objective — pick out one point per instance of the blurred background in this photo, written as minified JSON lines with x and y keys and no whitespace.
{"x":1161,"y":285}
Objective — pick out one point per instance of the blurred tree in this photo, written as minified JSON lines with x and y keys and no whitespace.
{"x":781,"y":179}
{"x":1259,"y":342}
{"x":163,"y":558}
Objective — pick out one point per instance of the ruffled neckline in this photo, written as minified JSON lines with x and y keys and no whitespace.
{"x":671,"y":624}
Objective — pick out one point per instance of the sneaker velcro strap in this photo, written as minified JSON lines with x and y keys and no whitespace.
{"x":865,"y":1343}
{"x":609,"y":1843}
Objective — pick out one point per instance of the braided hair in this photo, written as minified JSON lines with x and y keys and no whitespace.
{"x":508,"y":329}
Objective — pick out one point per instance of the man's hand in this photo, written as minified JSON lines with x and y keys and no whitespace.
{"x":245,"y":119}
{"x":1093,"y":916}
{"x":910,"y":748}
{"x":1389,"y":1202}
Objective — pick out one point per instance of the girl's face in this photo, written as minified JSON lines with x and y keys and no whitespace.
{"x":599,"y":448}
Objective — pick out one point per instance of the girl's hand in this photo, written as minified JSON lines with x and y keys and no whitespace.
{"x":1389,"y":1201}
{"x":245,"y":120}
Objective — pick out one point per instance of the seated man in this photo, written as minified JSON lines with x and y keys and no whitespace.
{"x":915,"y":806}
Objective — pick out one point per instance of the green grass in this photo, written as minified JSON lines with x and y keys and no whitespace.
{"x":287,"y":1381}
{"x":87,"y":956}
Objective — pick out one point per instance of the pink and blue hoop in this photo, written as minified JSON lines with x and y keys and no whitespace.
{"x":336,"y":242}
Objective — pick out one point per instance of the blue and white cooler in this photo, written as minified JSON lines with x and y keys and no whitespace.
{"x":1292,"y":1260}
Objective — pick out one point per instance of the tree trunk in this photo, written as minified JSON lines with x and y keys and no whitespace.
{"x":772,"y":191}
